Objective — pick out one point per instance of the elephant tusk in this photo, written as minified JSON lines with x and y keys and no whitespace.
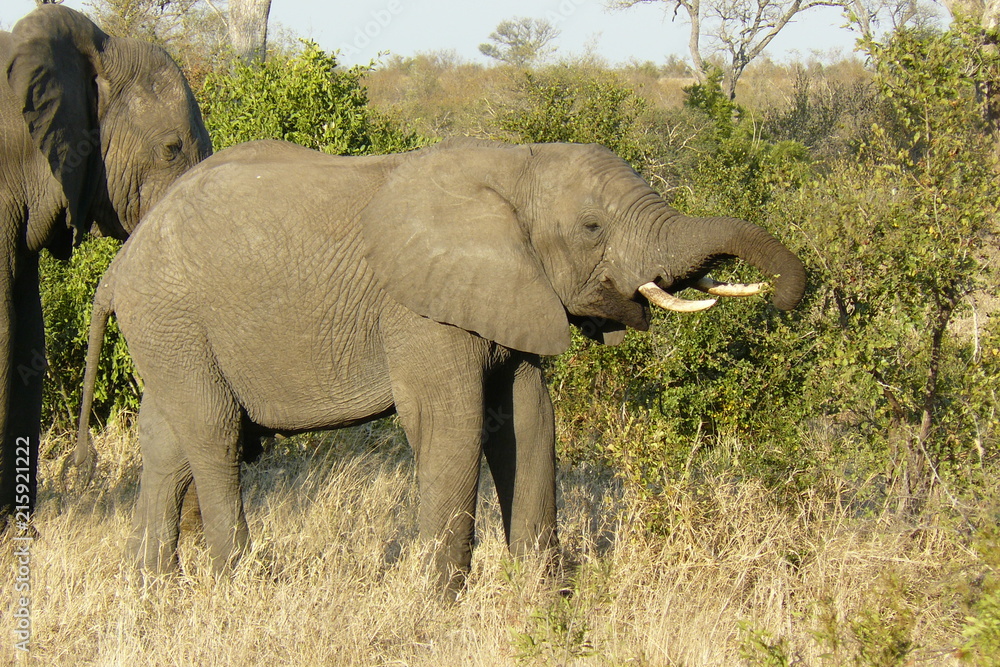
{"x":707,"y":284}
{"x":667,"y":301}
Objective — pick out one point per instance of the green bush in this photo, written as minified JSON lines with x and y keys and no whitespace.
{"x":897,"y":246}
{"x":67,"y":299}
{"x":576,"y":105}
{"x":740,"y":168}
{"x":305,"y":99}
{"x":982,"y":625}
{"x":882,"y":353}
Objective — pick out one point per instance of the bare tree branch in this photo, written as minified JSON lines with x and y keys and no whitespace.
{"x":869,"y":17}
{"x":215,"y":7}
{"x":741,"y":29}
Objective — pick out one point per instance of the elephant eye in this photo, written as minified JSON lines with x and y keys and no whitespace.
{"x":592,"y":225}
{"x":171,"y":150}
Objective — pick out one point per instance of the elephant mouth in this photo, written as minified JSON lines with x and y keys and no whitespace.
{"x":665,"y":298}
{"x":604,"y":304}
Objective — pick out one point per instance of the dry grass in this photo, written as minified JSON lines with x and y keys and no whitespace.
{"x":335,"y":577}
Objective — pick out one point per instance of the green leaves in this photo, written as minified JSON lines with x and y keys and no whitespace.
{"x":304,"y":99}
{"x":564,"y":104}
{"x":67,"y":298}
{"x":895,"y":241}
{"x":884,"y":356}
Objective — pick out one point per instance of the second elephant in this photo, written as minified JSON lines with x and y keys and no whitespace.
{"x":284,"y":290}
{"x":93,"y":128}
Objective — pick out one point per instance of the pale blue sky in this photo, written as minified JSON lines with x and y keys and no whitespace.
{"x":363,"y":28}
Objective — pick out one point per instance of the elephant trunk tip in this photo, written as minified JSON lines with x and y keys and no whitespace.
{"x":789,"y":287}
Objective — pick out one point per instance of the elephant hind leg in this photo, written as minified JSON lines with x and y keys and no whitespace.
{"x":216,"y":471}
{"x":191,"y":436}
{"x":166,"y":475}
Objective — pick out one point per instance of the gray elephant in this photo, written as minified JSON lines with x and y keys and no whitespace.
{"x":92,"y":128}
{"x":428,"y":283}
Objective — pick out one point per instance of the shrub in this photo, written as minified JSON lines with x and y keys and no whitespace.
{"x":578,"y":105}
{"x":830,"y":117}
{"x":67,"y":298}
{"x":305,"y":99}
{"x":740,"y":168}
{"x":894,"y":238}
{"x":897,"y":243}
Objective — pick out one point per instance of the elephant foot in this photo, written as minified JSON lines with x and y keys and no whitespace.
{"x":449,"y":570}
{"x":153,"y":555}
{"x":451,"y":582}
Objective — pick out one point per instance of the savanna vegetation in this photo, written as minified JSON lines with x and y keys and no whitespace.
{"x":739,"y":486}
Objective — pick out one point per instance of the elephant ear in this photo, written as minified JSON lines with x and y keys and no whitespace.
{"x":446,"y":243}
{"x":52,"y":74}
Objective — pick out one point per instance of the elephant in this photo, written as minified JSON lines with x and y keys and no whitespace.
{"x":93,"y":128}
{"x":427,"y":283}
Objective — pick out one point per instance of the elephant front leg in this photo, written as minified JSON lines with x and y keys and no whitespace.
{"x":22,"y":355}
{"x":448,"y":480}
{"x":519,"y":442}
{"x":437,"y":386}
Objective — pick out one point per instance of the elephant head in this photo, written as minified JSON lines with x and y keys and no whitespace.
{"x":113,"y":118}
{"x":515,"y":243}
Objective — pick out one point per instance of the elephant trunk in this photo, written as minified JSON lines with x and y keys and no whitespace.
{"x":698,"y":243}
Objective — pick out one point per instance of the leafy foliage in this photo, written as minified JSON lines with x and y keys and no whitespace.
{"x":67,"y":297}
{"x":883,"y":353}
{"x":899,"y":244}
{"x":304,"y":99}
{"x":982,"y":626}
{"x":565,"y":104}
{"x":742,"y":168}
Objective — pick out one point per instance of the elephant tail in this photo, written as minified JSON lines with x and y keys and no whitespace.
{"x":85,"y":458}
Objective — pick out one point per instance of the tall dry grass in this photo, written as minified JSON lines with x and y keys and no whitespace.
{"x":335,"y":576}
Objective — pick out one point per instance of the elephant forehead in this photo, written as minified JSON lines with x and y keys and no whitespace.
{"x":588,"y":175}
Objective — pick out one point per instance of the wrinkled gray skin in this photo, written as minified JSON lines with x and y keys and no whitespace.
{"x":92,"y":128}
{"x":428,"y":283}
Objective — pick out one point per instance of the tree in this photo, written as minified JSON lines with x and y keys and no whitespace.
{"x":984,"y":12}
{"x":741,"y":29}
{"x":248,"y":28}
{"x":520,"y":42}
{"x":160,"y":21}
{"x":866,"y":16}
{"x":192,"y":30}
